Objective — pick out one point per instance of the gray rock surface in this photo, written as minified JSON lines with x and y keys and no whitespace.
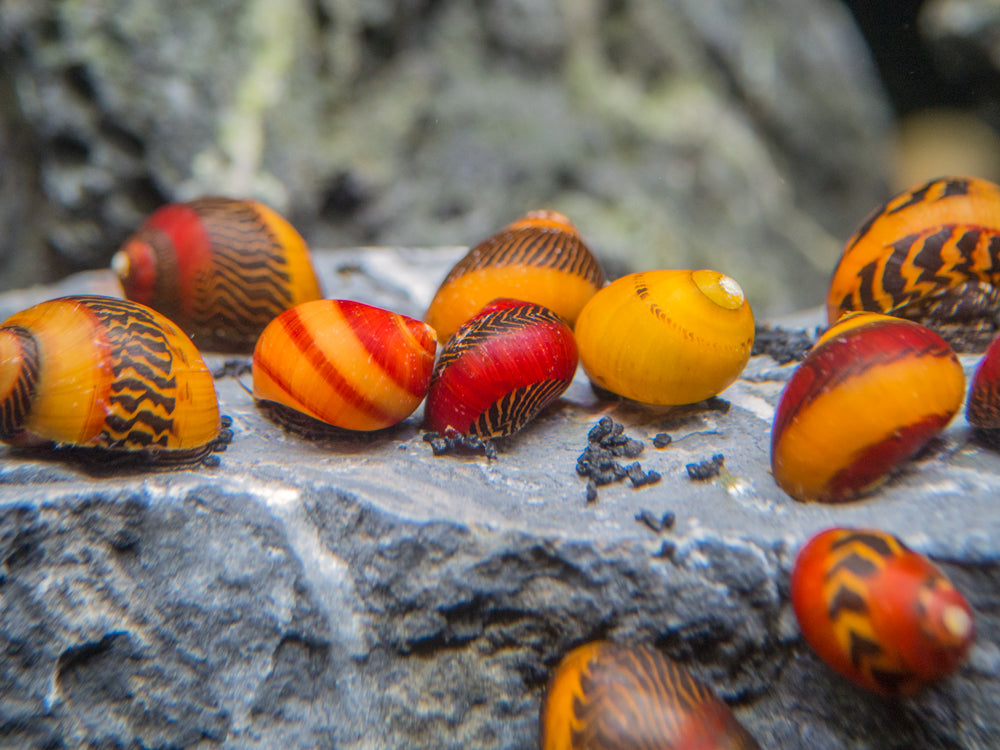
{"x":746,"y":134}
{"x":358,"y":592}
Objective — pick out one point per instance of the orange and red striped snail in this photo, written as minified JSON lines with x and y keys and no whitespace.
{"x":100,"y":372}
{"x":499,"y":370}
{"x":345,"y":363}
{"x":666,"y":337}
{"x":930,"y":254}
{"x":604,"y":696}
{"x":870,"y":394}
{"x":877,"y":612}
{"x":982,"y":409}
{"x":222,"y":269}
{"x":539,"y":258}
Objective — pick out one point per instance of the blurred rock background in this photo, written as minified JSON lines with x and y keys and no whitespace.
{"x":749,"y":136}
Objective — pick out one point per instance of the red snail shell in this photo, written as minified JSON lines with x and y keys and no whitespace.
{"x":538,"y":258}
{"x":221,"y":269}
{"x":345,"y":363}
{"x":103,"y":372}
{"x":869,"y":395}
{"x":877,"y":612}
{"x":931,"y":254}
{"x":666,"y":337}
{"x":983,"y":406}
{"x":499,"y":370}
{"x":604,"y":696}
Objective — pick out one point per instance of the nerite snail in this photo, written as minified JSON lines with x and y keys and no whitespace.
{"x":222,"y":269}
{"x":870,"y":394}
{"x":100,"y":372}
{"x":539,"y":258}
{"x":666,"y":337}
{"x":931,"y":254}
{"x":877,"y":612}
{"x":499,"y":370}
{"x":345,"y":363}
{"x":604,"y":696}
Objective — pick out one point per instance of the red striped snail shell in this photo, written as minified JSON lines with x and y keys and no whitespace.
{"x":345,"y":363}
{"x":604,"y":696}
{"x":666,"y":337}
{"x":499,"y":370}
{"x":106,"y":373}
{"x":539,"y":258}
{"x":982,"y":409}
{"x":931,"y":254}
{"x":869,"y":395}
{"x":221,"y":269}
{"x":877,"y":612}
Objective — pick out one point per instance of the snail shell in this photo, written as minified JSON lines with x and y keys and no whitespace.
{"x":106,"y":373}
{"x":877,"y":612}
{"x":500,"y":369}
{"x":930,"y":254}
{"x":345,"y":363}
{"x":539,"y":258}
{"x":221,"y":269}
{"x":604,"y":696}
{"x":666,"y":337}
{"x":982,"y":409}
{"x":869,"y":395}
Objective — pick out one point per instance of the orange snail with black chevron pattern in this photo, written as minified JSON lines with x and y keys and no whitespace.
{"x":931,"y":254}
{"x":101,"y":372}
{"x":539,"y":258}
{"x":222,"y":269}
{"x":605,"y":696}
{"x":877,"y":612}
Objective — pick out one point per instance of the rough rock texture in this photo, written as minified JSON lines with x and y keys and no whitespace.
{"x":358,"y":592}
{"x":746,"y":135}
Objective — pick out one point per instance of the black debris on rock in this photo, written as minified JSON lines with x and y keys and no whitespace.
{"x":454,"y":442}
{"x":661,"y":440}
{"x":663,"y":523}
{"x":606,"y":443}
{"x":782,"y":345}
{"x":706,"y":469}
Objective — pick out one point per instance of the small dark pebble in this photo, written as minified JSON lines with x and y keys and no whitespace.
{"x":781,"y":344}
{"x":667,"y":550}
{"x":591,"y":491}
{"x":661,"y":440}
{"x":606,"y":443}
{"x":600,"y":430}
{"x":668,"y":520}
{"x":706,"y":469}
{"x":647,"y":517}
{"x":456,"y":443}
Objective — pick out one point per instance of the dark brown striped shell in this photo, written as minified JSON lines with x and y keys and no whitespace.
{"x":605,"y":696}
{"x":222,"y":269}
{"x":877,"y":612}
{"x":104,"y":373}
{"x":932,"y":255}
{"x":539,"y":258}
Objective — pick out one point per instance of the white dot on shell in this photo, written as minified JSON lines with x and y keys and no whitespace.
{"x":731,"y":287}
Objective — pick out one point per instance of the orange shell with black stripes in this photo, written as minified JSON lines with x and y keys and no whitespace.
{"x":605,"y":696}
{"x":930,"y":254}
{"x":107,"y":373}
{"x":539,"y":258}
{"x":222,"y":269}
{"x":877,"y":612}
{"x":869,"y":395}
{"x":345,"y":363}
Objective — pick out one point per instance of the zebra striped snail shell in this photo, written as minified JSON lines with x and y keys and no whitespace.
{"x":604,"y":696}
{"x":666,"y":337}
{"x":877,"y":612}
{"x":539,"y":258}
{"x":931,"y":254}
{"x":222,"y":269}
{"x":345,"y":363}
{"x":870,"y":394}
{"x":105,"y":373}
{"x":499,"y":370}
